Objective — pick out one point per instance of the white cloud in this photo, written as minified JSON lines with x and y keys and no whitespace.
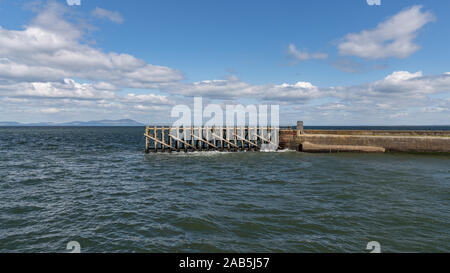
{"x":333,"y":106}
{"x":303,"y":55}
{"x":391,"y":38}
{"x":39,"y":65}
{"x":298,"y":92}
{"x":113,"y":16}
{"x":233,"y":88}
{"x":396,"y":90}
{"x":398,"y":115}
{"x":402,"y":76}
{"x":14,"y":100}
{"x":66,"y":89}
{"x":51,"y":110}
{"x":149,"y":99}
{"x":401,"y":97}
{"x":47,"y":68}
{"x":141,"y":107}
{"x":74,"y":2}
{"x":436,"y":109}
{"x":380,"y":101}
{"x":52,"y":45}
{"x":12,"y":71}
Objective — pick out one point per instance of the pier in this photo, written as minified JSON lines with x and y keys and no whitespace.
{"x":235,"y":139}
{"x":365,"y":141}
{"x":192,"y":139}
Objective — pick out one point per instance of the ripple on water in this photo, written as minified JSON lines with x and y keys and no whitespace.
{"x":96,"y":186}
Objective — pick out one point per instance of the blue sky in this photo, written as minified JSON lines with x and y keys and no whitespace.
{"x":326,"y":62}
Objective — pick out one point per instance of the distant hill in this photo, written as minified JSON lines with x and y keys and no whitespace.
{"x":120,"y":122}
{"x":8,"y":123}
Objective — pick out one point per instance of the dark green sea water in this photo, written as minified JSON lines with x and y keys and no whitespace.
{"x":97,"y":187}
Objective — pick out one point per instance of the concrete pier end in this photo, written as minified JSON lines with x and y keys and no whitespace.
{"x":364,"y":140}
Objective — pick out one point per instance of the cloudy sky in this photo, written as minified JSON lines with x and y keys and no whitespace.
{"x":325,"y":62}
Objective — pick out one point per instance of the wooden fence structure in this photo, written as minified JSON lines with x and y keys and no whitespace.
{"x":191,"y":139}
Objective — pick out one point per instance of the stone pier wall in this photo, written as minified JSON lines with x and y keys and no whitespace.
{"x":402,"y":141}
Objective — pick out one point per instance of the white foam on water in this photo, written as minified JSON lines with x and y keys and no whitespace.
{"x":268,"y":148}
{"x":217,"y":153}
{"x":286,"y":151}
{"x":194,"y":153}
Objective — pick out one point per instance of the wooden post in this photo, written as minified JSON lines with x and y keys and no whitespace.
{"x":256,"y":136}
{"x":192,"y":138}
{"x":221,"y":141}
{"x":238,"y":131}
{"x":170,"y":140}
{"x":178,"y":142}
{"x":199,"y":139}
{"x":147,"y":140}
{"x":254,"y":140}
{"x":250,"y":144}
{"x":260,"y":132}
{"x":204,"y":138}
{"x":155,"y":133}
{"x":235,"y":138}
{"x":243,"y":135}
{"x":192,"y":142}
{"x":207,"y":138}
{"x":247,"y":136}
{"x":213,"y":137}
{"x":226,"y":137}
{"x":185,"y":139}
{"x":239,"y":140}
{"x":163,"y":138}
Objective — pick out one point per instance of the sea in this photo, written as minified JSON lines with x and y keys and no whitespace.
{"x":95,"y":186}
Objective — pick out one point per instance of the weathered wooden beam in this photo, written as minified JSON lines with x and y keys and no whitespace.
{"x":202,"y":140}
{"x":182,"y":141}
{"x":247,"y":141}
{"x":270,"y":142}
{"x":157,"y":140}
{"x":228,"y":142}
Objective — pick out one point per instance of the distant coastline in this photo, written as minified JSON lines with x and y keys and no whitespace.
{"x":100,"y":123}
{"x":133,"y":123}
